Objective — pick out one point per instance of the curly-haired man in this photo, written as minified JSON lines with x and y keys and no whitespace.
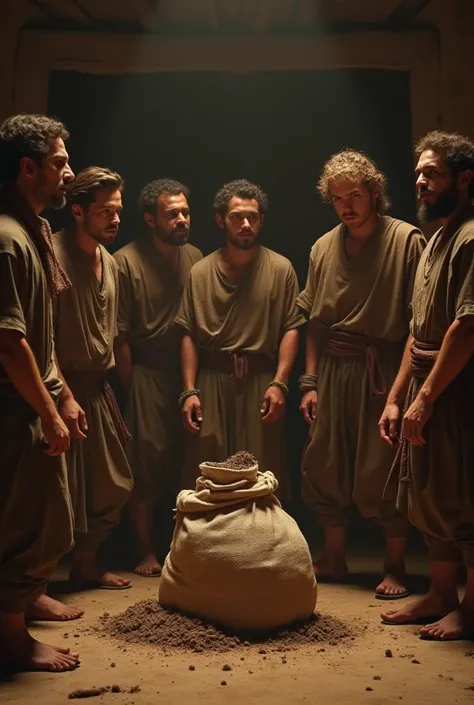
{"x":435,"y":385}
{"x":357,"y":298}
{"x":241,"y":324}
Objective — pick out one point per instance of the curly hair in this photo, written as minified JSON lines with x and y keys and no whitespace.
{"x":457,"y":151}
{"x":83,"y":189}
{"x":351,"y":165}
{"x":152,"y":191}
{"x":242,"y":189}
{"x":26,"y":135}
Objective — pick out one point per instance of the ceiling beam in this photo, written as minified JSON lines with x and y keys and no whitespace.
{"x":405,"y":12}
{"x":64,"y":9}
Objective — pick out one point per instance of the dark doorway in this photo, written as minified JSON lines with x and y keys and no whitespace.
{"x":276,"y":128}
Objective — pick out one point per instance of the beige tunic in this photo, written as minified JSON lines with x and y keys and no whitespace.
{"x":345,"y":461}
{"x":150,"y":295}
{"x":100,"y":479}
{"x":35,"y":510}
{"x":250,"y":317}
{"x":441,"y":490}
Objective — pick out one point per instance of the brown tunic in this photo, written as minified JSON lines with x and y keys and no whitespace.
{"x":150,"y":295}
{"x":250,"y":317}
{"x":100,"y":478}
{"x":345,"y":461}
{"x":35,"y":508}
{"x":440,"y":497}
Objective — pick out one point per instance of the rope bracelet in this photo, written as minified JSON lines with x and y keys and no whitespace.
{"x":280,"y":385}
{"x":308,"y":383}
{"x":185,"y":395}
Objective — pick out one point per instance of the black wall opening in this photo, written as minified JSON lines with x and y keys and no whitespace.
{"x":275,"y":128}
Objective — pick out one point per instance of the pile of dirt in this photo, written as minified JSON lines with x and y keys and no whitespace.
{"x":148,"y":623}
{"x":239,"y":461}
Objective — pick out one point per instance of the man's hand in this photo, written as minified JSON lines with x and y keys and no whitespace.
{"x":56,"y":434}
{"x":415,"y":419}
{"x":273,"y":405}
{"x":74,"y":417}
{"x":192,"y":414}
{"x":388,"y":424}
{"x":309,"y":406}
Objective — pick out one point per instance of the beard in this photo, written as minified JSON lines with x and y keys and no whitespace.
{"x":242,"y":244}
{"x":177,"y":237}
{"x":58,"y":201}
{"x":445,"y":204}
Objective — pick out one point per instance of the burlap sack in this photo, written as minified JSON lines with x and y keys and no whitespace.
{"x":237,"y":559}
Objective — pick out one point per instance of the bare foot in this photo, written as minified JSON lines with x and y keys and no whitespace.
{"x":149,"y":567}
{"x":392,"y":586}
{"x":329,"y":568}
{"x":95,"y":576}
{"x":46,"y":608}
{"x":426,"y":607}
{"x":458,"y":624}
{"x":28,"y":654}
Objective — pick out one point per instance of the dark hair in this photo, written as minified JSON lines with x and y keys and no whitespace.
{"x":242,"y":189}
{"x":152,"y":191}
{"x":26,"y":136}
{"x":82,"y":191}
{"x":457,"y":151}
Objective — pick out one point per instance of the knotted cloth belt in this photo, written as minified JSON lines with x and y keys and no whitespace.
{"x":340,"y":344}
{"x":238,"y":365}
{"x":95,"y":382}
{"x":423,"y":358}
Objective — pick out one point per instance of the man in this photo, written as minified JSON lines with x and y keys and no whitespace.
{"x":35,"y":508}
{"x":435,"y":462}
{"x":357,"y":297}
{"x":241,"y":324}
{"x":153,"y":271}
{"x":100,"y":479}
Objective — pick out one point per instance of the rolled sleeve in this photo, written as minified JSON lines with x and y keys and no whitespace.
{"x":185,"y":318}
{"x":463,"y":280}
{"x":305,"y":300}
{"x":292,"y":316}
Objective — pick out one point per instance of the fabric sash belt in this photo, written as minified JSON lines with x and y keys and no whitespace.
{"x":340,"y":344}
{"x":238,"y":365}
{"x":96,"y":383}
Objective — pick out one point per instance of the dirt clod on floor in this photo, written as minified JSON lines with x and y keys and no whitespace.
{"x":148,"y":623}
{"x":388,"y":653}
{"x":85,"y":693}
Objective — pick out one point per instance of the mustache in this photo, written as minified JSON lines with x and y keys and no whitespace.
{"x":426,"y":189}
